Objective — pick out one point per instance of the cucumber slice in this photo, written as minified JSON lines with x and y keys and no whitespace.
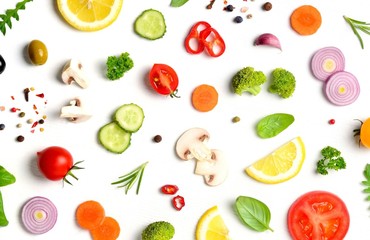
{"x":114,"y":138}
{"x":130,"y":117}
{"x":150,"y":24}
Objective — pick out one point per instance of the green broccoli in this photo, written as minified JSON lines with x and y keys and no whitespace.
{"x":248,"y":80}
{"x":160,"y":230}
{"x":118,"y":66}
{"x":282,"y":83}
{"x":331,"y":160}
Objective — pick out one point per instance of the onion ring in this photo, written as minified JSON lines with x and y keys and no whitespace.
{"x":342,"y":88}
{"x":326,"y":61}
{"x":39,"y":215}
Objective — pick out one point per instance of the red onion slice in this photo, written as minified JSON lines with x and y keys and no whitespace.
{"x":342,"y":88}
{"x":326,"y":61}
{"x":39,"y":215}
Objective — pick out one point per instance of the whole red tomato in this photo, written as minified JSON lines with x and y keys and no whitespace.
{"x":164,"y":79}
{"x":55,"y":162}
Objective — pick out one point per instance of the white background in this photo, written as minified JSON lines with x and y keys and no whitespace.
{"x":171,"y":117}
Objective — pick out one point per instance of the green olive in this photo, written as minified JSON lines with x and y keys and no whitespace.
{"x":37,"y":52}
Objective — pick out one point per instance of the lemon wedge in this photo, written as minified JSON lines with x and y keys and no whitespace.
{"x":281,"y":165}
{"x":211,"y":226}
{"x":89,"y":15}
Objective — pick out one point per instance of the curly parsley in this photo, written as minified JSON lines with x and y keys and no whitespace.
{"x":118,"y":66}
{"x":331,"y":160}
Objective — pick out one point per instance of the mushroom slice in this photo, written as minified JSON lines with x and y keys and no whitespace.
{"x":75,"y":112}
{"x":214,"y":170}
{"x":191,"y":144}
{"x":73,"y":72}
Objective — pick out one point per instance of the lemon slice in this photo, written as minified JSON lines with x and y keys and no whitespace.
{"x":211,"y":226}
{"x":281,"y":165}
{"x":89,"y":15}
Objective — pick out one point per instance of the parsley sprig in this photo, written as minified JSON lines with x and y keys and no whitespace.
{"x":331,"y":159}
{"x":367,"y":182}
{"x":6,"y":19}
{"x":128,"y":180}
{"x":358,"y":25}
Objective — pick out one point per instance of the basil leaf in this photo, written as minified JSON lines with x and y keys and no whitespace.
{"x":273,"y":124}
{"x":253,"y":213}
{"x":3,"y":220}
{"x":178,"y":3}
{"x":6,"y":178}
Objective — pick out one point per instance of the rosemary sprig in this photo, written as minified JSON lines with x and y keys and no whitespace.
{"x":358,"y":25}
{"x":6,"y":19}
{"x":129,"y":179}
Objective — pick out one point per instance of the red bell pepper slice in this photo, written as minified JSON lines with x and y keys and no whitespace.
{"x":213,"y":42}
{"x":194,"y":35}
{"x":178,"y":202}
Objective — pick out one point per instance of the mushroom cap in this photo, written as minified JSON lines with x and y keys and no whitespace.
{"x":214,"y":170}
{"x":73,"y":72}
{"x":191,"y":143}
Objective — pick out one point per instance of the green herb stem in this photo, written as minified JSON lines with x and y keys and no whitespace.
{"x":128,"y":180}
{"x":358,"y":25}
{"x":6,"y":19}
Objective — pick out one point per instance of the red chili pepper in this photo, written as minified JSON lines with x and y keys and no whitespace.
{"x":169,"y":189}
{"x":213,"y":42}
{"x":178,"y":202}
{"x":194,"y":35}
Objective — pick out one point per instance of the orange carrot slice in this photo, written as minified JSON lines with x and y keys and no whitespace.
{"x":90,"y":215}
{"x":108,"y":230}
{"x":305,"y":20}
{"x":204,"y":98}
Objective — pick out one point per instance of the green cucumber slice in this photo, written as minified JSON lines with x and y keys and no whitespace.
{"x":114,"y":138}
{"x":130,"y":117}
{"x":150,"y":24}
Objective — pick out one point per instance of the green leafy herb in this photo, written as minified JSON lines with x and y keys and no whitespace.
{"x":6,"y":178}
{"x":331,"y":160}
{"x":367,"y":182}
{"x":6,"y":19}
{"x":358,"y":25}
{"x":253,"y":213}
{"x":118,"y":66}
{"x":129,"y":179}
{"x":273,"y":124}
{"x":178,"y":3}
{"x":3,"y":220}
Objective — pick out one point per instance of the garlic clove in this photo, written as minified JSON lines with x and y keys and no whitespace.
{"x":268,"y":39}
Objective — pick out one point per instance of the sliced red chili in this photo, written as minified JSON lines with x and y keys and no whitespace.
{"x":178,"y":202}
{"x":213,"y":42}
{"x":169,"y":189}
{"x":194,"y":33}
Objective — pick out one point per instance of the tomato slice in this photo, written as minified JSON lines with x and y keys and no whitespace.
{"x":163,"y":79}
{"x":318,"y":215}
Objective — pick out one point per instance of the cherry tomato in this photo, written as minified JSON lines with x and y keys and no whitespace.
{"x":55,"y":162}
{"x":169,"y":189}
{"x":163,"y":79}
{"x":318,"y":215}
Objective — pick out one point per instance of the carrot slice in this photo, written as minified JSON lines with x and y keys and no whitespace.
{"x":90,"y":215}
{"x":305,"y":20}
{"x":108,"y":230}
{"x":204,"y":98}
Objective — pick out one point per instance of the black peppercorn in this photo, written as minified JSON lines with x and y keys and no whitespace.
{"x":229,"y":8}
{"x":267,"y":6}
{"x":157,"y":138}
{"x":41,"y":121}
{"x":2,"y":126}
{"x":238,"y":19}
{"x":20,"y":138}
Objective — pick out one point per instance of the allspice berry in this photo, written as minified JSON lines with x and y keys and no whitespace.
{"x":267,"y":6}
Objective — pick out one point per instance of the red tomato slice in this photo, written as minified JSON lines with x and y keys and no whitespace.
{"x":163,"y":79}
{"x":318,"y":215}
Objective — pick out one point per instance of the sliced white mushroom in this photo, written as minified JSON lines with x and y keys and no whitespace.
{"x":192,"y":144}
{"x":73,"y":72}
{"x":214,"y":170}
{"x":75,"y":112}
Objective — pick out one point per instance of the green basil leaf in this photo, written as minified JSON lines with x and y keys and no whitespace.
{"x":178,"y":3}
{"x":6,"y":178}
{"x":253,"y":213}
{"x":3,"y":220}
{"x":272,"y":125}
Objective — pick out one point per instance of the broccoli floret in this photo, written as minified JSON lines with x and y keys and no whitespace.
{"x":331,"y":159}
{"x":248,"y":80}
{"x":160,"y":230}
{"x":282,"y":83}
{"x":118,"y":66}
